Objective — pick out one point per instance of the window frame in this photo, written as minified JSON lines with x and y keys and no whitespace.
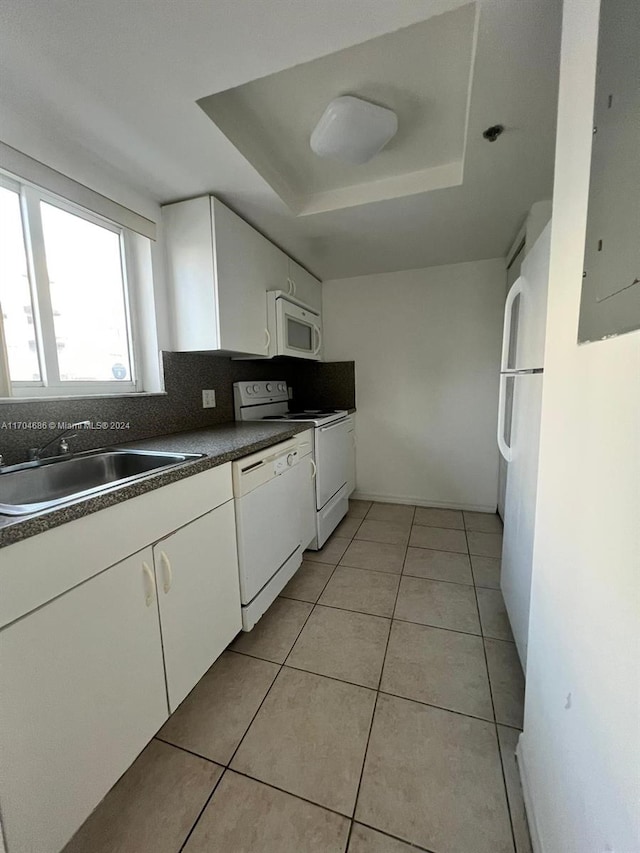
{"x":50,"y":385}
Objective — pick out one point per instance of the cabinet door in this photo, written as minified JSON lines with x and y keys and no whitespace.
{"x":305,"y":287}
{"x":199,"y":597}
{"x":82,"y":691}
{"x":247,"y":265}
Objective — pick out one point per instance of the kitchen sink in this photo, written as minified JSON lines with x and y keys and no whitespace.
{"x":35,"y":486}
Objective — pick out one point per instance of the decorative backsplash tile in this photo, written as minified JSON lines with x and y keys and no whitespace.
{"x":179,"y":409}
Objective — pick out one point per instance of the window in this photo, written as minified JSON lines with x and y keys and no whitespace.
{"x":65,"y":308}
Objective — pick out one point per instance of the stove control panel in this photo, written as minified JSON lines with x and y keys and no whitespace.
{"x":248,"y":393}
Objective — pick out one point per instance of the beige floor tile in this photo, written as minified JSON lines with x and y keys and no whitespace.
{"x":365,"y":840}
{"x":436,"y":603}
{"x":439,"y":667}
{"x":245,"y":816}
{"x":507,"y":682}
{"x":348,"y":526}
{"x":399,"y":513}
{"x":508,"y":739}
{"x":359,"y":589}
{"x":485,"y":522}
{"x":215,"y":715}
{"x":438,"y":538}
{"x":308,"y":582}
{"x":333,"y":549}
{"x":376,"y":556}
{"x":438,"y":565}
{"x":309,"y":738}
{"x":152,"y":807}
{"x":274,"y":635}
{"x":493,"y":614}
{"x":342,"y":644}
{"x":433,"y":778}
{"x":436,"y":517}
{"x":484,"y":544}
{"x":486,"y":571}
{"x":392,"y":532}
{"x":358,"y":509}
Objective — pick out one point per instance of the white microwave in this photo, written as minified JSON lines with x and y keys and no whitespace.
{"x":293,"y":328}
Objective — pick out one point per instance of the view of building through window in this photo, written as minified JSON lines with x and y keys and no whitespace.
{"x":73,"y":317}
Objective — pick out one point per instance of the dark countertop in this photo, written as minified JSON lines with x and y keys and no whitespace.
{"x":220,"y":444}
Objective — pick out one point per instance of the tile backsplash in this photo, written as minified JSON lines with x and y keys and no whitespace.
{"x":180,"y":408}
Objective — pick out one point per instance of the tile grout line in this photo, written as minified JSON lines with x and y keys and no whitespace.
{"x":493,"y":706}
{"x":228,"y":765}
{"x":375,"y":704}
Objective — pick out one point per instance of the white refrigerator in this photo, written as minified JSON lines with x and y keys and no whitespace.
{"x":520,"y":401}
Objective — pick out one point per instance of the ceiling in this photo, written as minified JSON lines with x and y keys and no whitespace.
{"x":421,"y":72}
{"x":111,"y":91}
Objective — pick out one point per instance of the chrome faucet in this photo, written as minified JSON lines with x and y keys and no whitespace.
{"x":35,"y":453}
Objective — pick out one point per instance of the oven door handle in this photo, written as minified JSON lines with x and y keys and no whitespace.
{"x":333,"y":426}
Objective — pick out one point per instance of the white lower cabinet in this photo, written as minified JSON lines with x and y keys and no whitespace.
{"x":199,"y":597}
{"x":82,"y":690}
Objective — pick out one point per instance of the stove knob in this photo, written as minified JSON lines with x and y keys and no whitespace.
{"x":256,"y":388}
{"x":281,"y":387}
{"x":269,"y":387}
{"x":291,"y":458}
{"x":249,"y":389}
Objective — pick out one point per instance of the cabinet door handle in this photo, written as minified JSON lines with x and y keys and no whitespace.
{"x":151,"y":589}
{"x":166,"y":571}
{"x":289,"y":286}
{"x":295,"y":288}
{"x":316,"y":331}
{"x":267,"y":337}
{"x":314,"y":469}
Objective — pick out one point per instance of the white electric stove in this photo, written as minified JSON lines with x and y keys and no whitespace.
{"x":269,"y":400}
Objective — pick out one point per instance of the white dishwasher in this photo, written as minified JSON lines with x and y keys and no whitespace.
{"x":269,"y":504}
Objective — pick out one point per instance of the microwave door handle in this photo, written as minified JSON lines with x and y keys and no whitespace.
{"x":317,"y":331}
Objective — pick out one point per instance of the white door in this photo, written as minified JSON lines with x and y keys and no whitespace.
{"x":332,"y":459}
{"x":82,"y":691}
{"x":247,"y":266}
{"x":304,"y":286}
{"x":520,"y":506}
{"x":198,"y":593}
{"x":307,"y":500}
{"x":268,"y":523}
{"x":512,"y":274}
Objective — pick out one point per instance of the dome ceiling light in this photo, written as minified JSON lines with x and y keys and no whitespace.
{"x":353,"y":130}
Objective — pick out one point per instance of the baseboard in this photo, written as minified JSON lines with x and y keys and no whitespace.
{"x":534,"y":831}
{"x":395,"y":499}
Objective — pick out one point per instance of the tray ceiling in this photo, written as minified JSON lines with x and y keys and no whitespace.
{"x":422,"y":72}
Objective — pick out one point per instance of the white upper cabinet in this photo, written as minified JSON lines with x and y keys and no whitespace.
{"x":304,"y":287}
{"x":219,"y":271}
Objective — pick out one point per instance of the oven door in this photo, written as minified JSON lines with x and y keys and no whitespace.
{"x":298,"y":330}
{"x":332,"y":459}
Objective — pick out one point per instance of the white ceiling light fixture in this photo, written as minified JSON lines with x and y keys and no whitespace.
{"x":353,"y":130}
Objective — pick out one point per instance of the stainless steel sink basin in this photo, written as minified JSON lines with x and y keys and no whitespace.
{"x":34,"y":486}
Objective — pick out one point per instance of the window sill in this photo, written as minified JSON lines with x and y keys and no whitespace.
{"x":60,"y":398}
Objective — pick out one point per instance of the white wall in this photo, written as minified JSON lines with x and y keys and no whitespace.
{"x":580,"y":752}
{"x":426,"y":344}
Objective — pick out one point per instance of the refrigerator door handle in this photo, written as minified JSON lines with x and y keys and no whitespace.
{"x":516,"y":290}
{"x":503,"y":447}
